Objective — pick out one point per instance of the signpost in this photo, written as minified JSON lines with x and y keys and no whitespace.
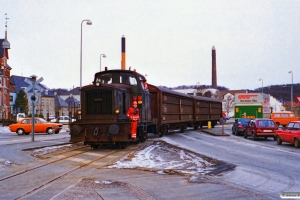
{"x":34,"y":97}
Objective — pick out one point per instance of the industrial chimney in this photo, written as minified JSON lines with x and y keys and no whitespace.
{"x":123,"y":62}
{"x":214,"y":68}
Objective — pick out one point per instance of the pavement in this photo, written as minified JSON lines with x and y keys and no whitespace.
{"x":218,"y":130}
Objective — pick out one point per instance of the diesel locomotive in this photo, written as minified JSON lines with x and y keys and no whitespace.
{"x":103,"y":115}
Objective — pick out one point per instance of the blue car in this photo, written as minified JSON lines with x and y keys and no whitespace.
{"x":238,"y":126}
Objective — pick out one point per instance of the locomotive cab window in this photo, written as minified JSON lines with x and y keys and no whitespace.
{"x":104,"y":78}
{"x":127,"y":78}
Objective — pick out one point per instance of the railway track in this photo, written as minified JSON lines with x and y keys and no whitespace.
{"x":23,"y":184}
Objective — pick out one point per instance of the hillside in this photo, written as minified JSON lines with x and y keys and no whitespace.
{"x":281,"y":91}
{"x":277,"y":91}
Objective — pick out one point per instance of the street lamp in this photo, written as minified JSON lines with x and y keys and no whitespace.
{"x":262,"y":85}
{"x":104,"y":56}
{"x":88,"y":22}
{"x":291,"y":72}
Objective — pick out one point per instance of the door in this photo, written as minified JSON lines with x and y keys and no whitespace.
{"x":287,"y":132}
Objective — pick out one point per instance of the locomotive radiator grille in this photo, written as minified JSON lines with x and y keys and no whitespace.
{"x":99,"y":102}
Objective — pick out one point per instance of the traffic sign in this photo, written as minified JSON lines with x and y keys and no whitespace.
{"x":33,"y":97}
{"x":34,"y":85}
{"x":298,"y":98}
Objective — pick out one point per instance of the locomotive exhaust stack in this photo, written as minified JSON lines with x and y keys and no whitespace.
{"x":123,"y":62}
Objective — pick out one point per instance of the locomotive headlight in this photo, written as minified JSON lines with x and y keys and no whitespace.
{"x":117,"y":111}
{"x":97,"y":84}
{"x":78,"y":112}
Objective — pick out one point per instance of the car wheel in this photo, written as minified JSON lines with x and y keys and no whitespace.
{"x":245,"y":135}
{"x":278,"y":140}
{"x":232,"y":131}
{"x":274,"y":138}
{"x":254,"y":137}
{"x":296,"y":143}
{"x":49,"y":131}
{"x":20,"y":131}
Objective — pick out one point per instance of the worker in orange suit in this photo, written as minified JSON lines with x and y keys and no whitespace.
{"x":133,"y":115}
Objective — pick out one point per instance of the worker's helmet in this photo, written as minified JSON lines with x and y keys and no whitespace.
{"x":134,"y":103}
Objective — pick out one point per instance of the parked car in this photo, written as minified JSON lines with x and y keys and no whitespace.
{"x":283,"y":117}
{"x":51,"y":117}
{"x":289,"y":134}
{"x":238,"y":127}
{"x":260,"y":128}
{"x":63,"y":120}
{"x":24,"y":126}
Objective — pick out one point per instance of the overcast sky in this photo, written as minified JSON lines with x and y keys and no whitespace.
{"x":170,"y":41}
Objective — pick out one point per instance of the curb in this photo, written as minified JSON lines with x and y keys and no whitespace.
{"x":215,"y":134}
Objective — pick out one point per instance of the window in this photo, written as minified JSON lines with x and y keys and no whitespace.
{"x":296,"y":126}
{"x":127,"y":78}
{"x":290,"y":126}
{"x":26,"y":121}
{"x":11,"y":98}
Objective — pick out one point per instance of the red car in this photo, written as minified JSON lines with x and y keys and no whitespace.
{"x":290,"y":134}
{"x":260,"y":128}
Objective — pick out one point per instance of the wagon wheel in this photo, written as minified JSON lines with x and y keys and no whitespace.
{"x":141,"y":136}
{"x":296,"y":143}
{"x":162,"y":131}
{"x":278,"y":140}
{"x":20,"y":131}
{"x":196,"y":126}
{"x":181,"y":129}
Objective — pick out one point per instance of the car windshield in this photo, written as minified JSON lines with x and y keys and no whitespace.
{"x":266,"y":123}
{"x":244,"y":121}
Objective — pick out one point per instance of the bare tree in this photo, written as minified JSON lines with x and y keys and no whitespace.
{"x":228,"y":103}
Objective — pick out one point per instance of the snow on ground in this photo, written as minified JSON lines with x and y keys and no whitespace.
{"x":4,"y":129}
{"x":164,"y":157}
{"x":158,"y":156}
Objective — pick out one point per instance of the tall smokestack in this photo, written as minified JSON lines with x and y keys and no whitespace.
{"x":123,"y":54}
{"x":214,"y":68}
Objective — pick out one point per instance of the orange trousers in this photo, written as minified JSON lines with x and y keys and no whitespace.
{"x":133,"y":128}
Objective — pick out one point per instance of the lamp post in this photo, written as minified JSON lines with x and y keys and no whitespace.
{"x":262,"y":85}
{"x":88,"y":22}
{"x":291,"y":72}
{"x":104,"y":56}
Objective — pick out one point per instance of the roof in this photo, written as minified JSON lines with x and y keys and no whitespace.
{"x":72,"y":101}
{"x":19,"y":83}
{"x":59,"y":91}
{"x":75,"y":91}
{"x":59,"y":102}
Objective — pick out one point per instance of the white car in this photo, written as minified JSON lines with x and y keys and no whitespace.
{"x":62,"y":120}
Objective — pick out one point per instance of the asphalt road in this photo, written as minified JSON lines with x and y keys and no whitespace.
{"x":263,"y":170}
